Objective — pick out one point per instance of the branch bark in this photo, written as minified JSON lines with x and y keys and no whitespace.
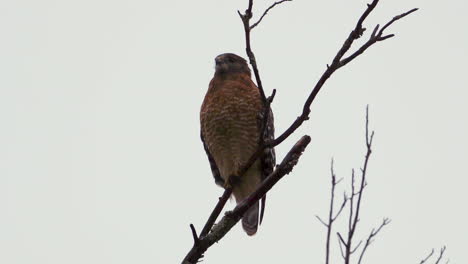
{"x":232,"y":217}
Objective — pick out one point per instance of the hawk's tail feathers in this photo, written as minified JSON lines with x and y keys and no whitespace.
{"x":250,"y":220}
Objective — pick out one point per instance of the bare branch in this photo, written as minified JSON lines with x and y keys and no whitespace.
{"x":216,"y":211}
{"x":246,"y":22}
{"x":232,"y":217}
{"x":321,"y":221}
{"x":266,"y":11}
{"x":194,"y":234}
{"x":439,"y":258}
{"x":351,"y":201}
{"x":331,"y":219}
{"x":372,"y":234}
{"x":341,"y":243}
{"x":337,"y":63}
{"x":396,"y":18}
{"x":345,"y":200}
{"x":441,"y":254}
{"x":356,"y":248}
{"x":375,"y":37}
{"x":355,"y":200}
{"x":428,"y":257}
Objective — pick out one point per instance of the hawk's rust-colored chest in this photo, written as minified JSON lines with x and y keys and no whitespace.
{"x":230,"y":119}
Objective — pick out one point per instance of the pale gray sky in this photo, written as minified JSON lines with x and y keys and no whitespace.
{"x":100,"y":157}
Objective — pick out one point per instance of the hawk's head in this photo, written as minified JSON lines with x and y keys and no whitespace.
{"x":231,"y":63}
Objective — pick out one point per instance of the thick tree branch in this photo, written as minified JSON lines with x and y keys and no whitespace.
{"x":216,"y":211}
{"x":232,"y":217}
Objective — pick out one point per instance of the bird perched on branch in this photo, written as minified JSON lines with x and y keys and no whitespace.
{"x":232,"y":121}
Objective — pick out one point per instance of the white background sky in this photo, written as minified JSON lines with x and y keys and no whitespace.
{"x":100,"y":157}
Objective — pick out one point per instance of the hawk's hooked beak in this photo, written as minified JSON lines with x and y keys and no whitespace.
{"x":220,"y":65}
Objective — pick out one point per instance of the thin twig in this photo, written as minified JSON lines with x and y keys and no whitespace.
{"x":194,"y":234}
{"x":266,"y":12}
{"x":248,"y":48}
{"x":428,"y":257}
{"x":372,"y":234}
{"x":356,"y":198}
{"x":330,"y":215}
{"x":441,"y":254}
{"x":343,"y":204}
{"x":356,"y":247}
{"x":341,"y":243}
{"x":375,"y":37}
{"x":331,"y":218}
{"x":439,"y":258}
{"x":321,"y":221}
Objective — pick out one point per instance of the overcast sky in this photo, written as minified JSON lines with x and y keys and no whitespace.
{"x":100,"y":157}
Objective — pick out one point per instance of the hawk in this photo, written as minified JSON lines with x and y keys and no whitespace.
{"x":232,"y":120}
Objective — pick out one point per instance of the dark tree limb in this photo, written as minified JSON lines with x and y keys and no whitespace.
{"x":246,"y":17}
{"x":216,"y":211}
{"x":337,"y":63}
{"x":232,"y":217}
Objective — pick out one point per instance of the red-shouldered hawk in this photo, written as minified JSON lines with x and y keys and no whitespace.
{"x":231,"y":120}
